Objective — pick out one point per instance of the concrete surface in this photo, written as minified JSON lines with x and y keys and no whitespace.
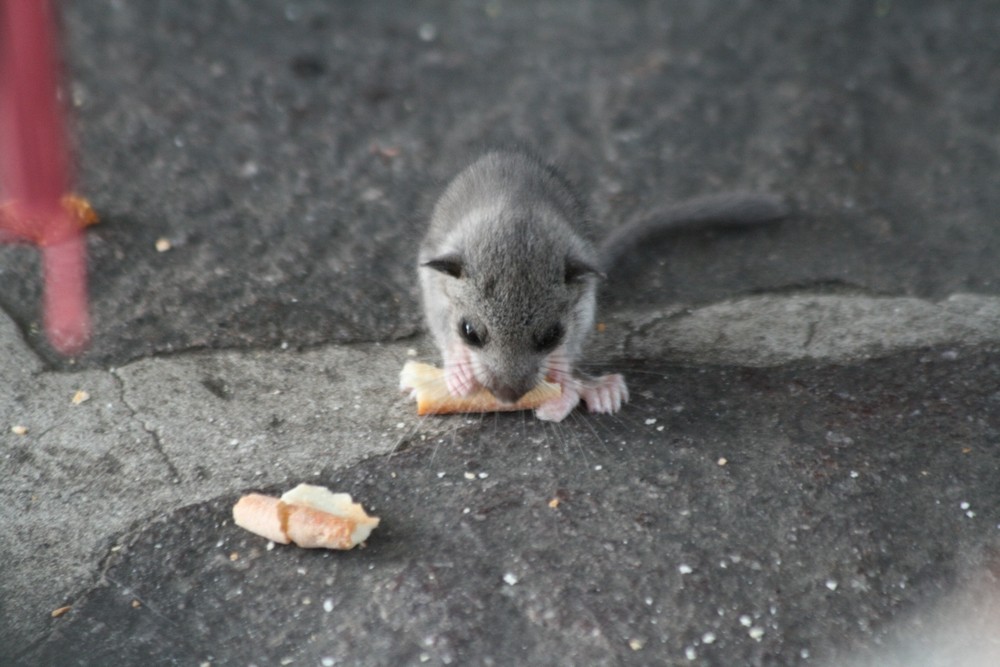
{"x":807,"y":473}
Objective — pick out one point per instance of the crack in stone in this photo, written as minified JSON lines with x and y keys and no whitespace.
{"x":39,"y":365}
{"x":153,"y":434}
{"x":640,"y":330}
{"x":810,"y":334}
{"x":98,"y":579}
{"x":640,"y":323}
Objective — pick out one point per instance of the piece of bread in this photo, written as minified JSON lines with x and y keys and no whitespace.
{"x":310,"y":516}
{"x":426,"y":384}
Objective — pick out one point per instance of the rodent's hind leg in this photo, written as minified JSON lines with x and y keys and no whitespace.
{"x":604,"y":394}
{"x":459,"y":375}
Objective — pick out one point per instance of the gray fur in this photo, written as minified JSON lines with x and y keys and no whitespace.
{"x":503,"y":251}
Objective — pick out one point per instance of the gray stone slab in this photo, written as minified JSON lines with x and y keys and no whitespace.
{"x":740,"y":516}
{"x":770,"y":330}
{"x":159,"y":434}
{"x":288,"y":151}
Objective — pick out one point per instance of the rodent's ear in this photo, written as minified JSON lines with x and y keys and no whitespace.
{"x":451,"y":265}
{"x":577,"y":270}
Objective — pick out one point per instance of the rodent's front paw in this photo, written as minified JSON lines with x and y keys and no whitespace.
{"x":460,"y":379}
{"x":556,"y":409}
{"x":605,"y":394}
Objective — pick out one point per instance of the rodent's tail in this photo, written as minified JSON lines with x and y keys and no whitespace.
{"x":734,"y":209}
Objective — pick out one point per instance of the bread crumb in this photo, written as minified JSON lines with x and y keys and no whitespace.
{"x":308,"y":515}
{"x":163,"y":244}
{"x":554,"y":503}
{"x":56,"y":613}
{"x":80,"y":397}
{"x":18,"y":429}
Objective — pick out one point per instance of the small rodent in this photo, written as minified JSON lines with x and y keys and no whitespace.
{"x":509,"y":283}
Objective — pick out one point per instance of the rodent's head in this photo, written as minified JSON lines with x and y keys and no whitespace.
{"x":513,"y":304}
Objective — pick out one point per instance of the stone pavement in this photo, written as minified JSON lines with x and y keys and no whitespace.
{"x":808,"y":473}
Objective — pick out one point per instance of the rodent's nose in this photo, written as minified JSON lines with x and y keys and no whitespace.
{"x":508,"y":394}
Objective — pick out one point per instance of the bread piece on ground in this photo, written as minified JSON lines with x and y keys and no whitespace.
{"x":426,"y":384}
{"x":310,"y":516}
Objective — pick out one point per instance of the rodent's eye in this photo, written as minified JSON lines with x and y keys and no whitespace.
{"x":470,"y":335}
{"x":550,"y":338}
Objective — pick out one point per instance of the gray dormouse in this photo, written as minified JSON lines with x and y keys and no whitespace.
{"x":509,"y":281}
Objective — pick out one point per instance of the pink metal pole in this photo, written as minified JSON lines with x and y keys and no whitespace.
{"x":35,"y":166}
